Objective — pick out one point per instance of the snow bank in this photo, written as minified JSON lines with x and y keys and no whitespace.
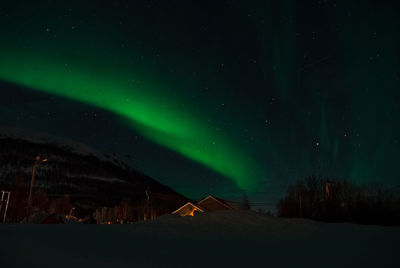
{"x":224,"y":238}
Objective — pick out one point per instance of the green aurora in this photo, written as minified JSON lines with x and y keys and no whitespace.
{"x":154,"y":117}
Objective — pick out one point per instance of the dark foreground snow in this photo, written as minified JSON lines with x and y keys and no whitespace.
{"x":224,"y":239}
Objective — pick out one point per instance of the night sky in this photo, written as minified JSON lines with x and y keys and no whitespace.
{"x":212,"y":97}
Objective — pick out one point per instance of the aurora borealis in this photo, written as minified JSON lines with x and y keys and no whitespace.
{"x":155,"y":118}
{"x":214,"y":97}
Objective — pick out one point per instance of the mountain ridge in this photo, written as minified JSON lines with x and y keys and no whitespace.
{"x":87,"y":176}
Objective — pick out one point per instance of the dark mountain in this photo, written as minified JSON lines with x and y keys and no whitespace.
{"x":89,"y":179}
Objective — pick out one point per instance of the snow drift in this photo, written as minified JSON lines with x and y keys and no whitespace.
{"x":224,"y":238}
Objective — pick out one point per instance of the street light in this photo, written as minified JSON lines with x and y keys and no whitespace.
{"x":38,"y":160}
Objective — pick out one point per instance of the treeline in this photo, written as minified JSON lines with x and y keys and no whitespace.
{"x":101,"y":206}
{"x":340,"y":201}
{"x":41,"y":202}
{"x":129,"y":211}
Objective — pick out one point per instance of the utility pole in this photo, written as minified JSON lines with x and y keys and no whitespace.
{"x":148,"y":193}
{"x":38,"y":160}
{"x":5,"y":195}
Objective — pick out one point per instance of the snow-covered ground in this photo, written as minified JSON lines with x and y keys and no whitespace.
{"x":217,"y":239}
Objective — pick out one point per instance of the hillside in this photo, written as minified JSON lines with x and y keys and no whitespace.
{"x":87,"y":177}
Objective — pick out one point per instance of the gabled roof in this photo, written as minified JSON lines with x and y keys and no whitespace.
{"x":220,"y":201}
{"x":187,"y":204}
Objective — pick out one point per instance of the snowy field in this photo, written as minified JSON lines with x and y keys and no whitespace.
{"x":217,"y":239}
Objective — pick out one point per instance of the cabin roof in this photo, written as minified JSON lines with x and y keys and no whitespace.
{"x":190,"y":204}
{"x":220,"y":201}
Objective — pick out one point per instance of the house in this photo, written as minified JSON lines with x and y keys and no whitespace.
{"x":206,"y":204}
